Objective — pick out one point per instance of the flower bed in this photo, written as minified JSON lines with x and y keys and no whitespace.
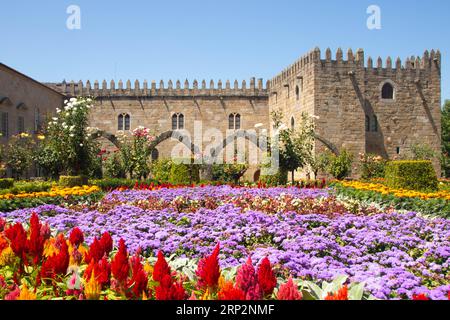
{"x":435,"y":204}
{"x":305,"y":233}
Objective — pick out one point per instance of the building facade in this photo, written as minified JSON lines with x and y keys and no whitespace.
{"x":365,"y":108}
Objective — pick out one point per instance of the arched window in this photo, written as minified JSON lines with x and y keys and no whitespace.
{"x":124,"y":122}
{"x":297,"y":93}
{"x":292,"y":123}
{"x":367,"y":124}
{"x":387,"y":92}
{"x":375,"y":124}
{"x":178,"y":121}
{"x":155,"y":154}
{"x":234,"y":121}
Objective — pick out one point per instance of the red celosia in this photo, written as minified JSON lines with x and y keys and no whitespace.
{"x":58,"y":263}
{"x":289,"y":291}
{"x":266,"y":277}
{"x":230,"y":293}
{"x":139,"y":278}
{"x":95,"y":252}
{"x":18,"y":238}
{"x":247,"y":281}
{"x":35,"y":244}
{"x":106,"y":243}
{"x":419,"y":297}
{"x":342,"y":294}
{"x":161,"y":268}
{"x":170,"y":290}
{"x":2,"y":224}
{"x":76,"y":237}
{"x":101,"y":270}
{"x":120,"y":267}
{"x":208,"y":270}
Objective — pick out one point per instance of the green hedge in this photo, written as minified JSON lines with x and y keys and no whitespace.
{"x":72,"y":181}
{"x":114,"y":183}
{"x":278,"y":179}
{"x":411,"y":175}
{"x":6,"y":183}
{"x":184,"y":174}
{"x":160,"y":170}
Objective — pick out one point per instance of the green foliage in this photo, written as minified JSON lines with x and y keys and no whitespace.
{"x":114,"y":183}
{"x":229,"y":172}
{"x":72,"y":181}
{"x":183,"y":174}
{"x":431,"y":207}
{"x":27,"y":187}
{"x":278,"y":179}
{"x":412,"y":175}
{"x":47,"y":158}
{"x":160,"y":170}
{"x":114,"y":167}
{"x":421,"y":152}
{"x":445,"y":123}
{"x":319,"y":163}
{"x":340,"y":166}
{"x":19,"y":154}
{"x":6,"y":183}
{"x":372,"y":166}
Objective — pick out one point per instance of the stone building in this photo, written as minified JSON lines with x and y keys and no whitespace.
{"x":382,"y":109}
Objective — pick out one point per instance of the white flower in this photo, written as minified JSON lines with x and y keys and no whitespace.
{"x":71,"y":135}
{"x":73,"y":99}
{"x":55,"y":119}
{"x":81,"y":145}
{"x":258,"y":125}
{"x":89,"y":100}
{"x":66,"y":101}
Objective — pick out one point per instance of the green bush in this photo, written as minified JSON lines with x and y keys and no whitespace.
{"x":372,"y":166}
{"x":340,"y":166}
{"x":278,"y":179}
{"x":6,"y":183}
{"x":72,"y":181}
{"x":114,"y":183}
{"x":412,"y":175}
{"x":27,"y":187}
{"x":160,"y":170}
{"x":184,"y":174}
{"x":113,"y":167}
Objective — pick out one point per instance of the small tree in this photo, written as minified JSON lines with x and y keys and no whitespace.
{"x":319,"y":163}
{"x":372,"y":166}
{"x":340,"y":166}
{"x":19,"y":154}
{"x":422,"y":152}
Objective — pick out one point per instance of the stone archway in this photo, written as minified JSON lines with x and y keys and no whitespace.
{"x":183,"y":138}
{"x":108,"y":136}
{"x":331,"y":146}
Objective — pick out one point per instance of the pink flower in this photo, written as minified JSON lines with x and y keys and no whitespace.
{"x":247,"y":281}
{"x":289,"y":291}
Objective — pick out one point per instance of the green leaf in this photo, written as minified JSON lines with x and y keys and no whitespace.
{"x":356,"y":292}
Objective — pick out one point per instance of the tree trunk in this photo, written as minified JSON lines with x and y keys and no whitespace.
{"x":293,"y":177}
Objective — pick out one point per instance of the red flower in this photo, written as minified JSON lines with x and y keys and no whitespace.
{"x":2,"y":224}
{"x":230,"y":293}
{"x":208,"y":270}
{"x":139,"y":279}
{"x":161,"y":268}
{"x":247,"y":281}
{"x":76,"y":237}
{"x":95,"y":251}
{"x":421,"y":296}
{"x":101,"y":270}
{"x":289,"y":291}
{"x":342,"y":294}
{"x":35,"y":244}
{"x":266,"y":277}
{"x":120,"y":267}
{"x":106,"y":243}
{"x":170,"y":290}
{"x":18,"y":237}
{"x":58,"y":263}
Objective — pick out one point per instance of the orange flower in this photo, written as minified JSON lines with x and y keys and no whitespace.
{"x":342,"y":294}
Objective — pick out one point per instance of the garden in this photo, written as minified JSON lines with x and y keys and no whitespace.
{"x":113,"y":225}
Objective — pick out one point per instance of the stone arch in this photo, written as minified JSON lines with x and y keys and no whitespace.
{"x":331,"y":146}
{"x":108,"y":136}
{"x":238,"y":134}
{"x":392,"y":86}
{"x":183,"y":138}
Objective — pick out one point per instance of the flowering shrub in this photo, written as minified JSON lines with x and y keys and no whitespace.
{"x":372,"y":166}
{"x":395,"y":255}
{"x":19,"y":153}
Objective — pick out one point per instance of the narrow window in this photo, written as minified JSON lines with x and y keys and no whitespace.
{"x":127,"y":122}
{"x":387,"y":92}
{"x":37,"y":119}
{"x":155,"y":154}
{"x":120,"y":123}
{"x":375,"y":124}
{"x":231,"y":122}
{"x":175,"y":122}
{"x":5,"y":125}
{"x":238,"y":122}
{"x":292,"y":123}
{"x":20,"y":125}
{"x":367,"y":124}
{"x":297,"y":93}
{"x":234,"y":121}
{"x":398,"y":150}
{"x":180,"y":121}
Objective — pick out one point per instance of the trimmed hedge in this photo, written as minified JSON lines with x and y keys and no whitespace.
{"x":6,"y":183}
{"x":184,"y":174}
{"x":411,"y":175}
{"x":72,"y":181}
{"x":278,"y":179}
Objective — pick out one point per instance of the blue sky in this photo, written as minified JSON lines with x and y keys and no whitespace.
{"x":197,"y":39}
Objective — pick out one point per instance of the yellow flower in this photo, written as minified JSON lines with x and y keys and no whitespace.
{"x":7,"y":257}
{"x":92,"y":289}
{"x":25,"y":294}
{"x":148,"y":268}
{"x":50,"y":248}
{"x":144,"y":297}
{"x":206,"y":296}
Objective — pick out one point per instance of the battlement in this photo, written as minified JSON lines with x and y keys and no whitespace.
{"x":430,"y":60}
{"x":254,"y":89}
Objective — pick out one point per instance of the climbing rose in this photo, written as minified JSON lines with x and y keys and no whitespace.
{"x":247,"y":281}
{"x":342,"y":294}
{"x":208,"y":270}
{"x":289,"y":291}
{"x":76,"y":237}
{"x":120,"y":267}
{"x":421,"y":296}
{"x":266,"y":277}
{"x":35,"y":244}
{"x":161,"y":268}
{"x":229,"y":292}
